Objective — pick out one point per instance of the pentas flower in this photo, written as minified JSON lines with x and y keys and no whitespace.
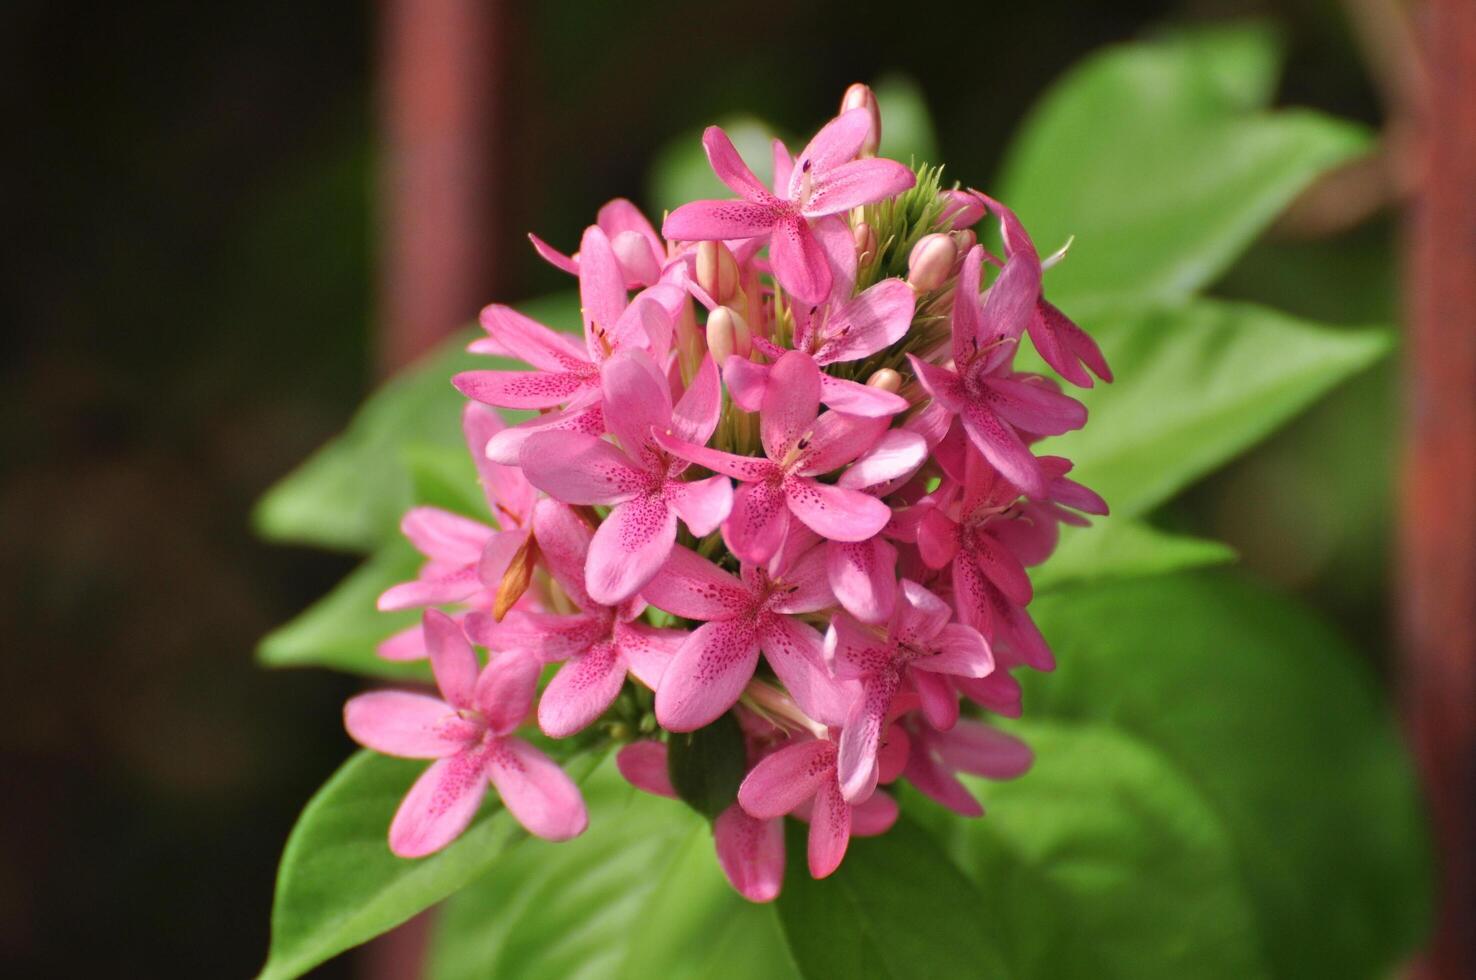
{"x":598,"y":645}
{"x":826,"y":180}
{"x":469,"y":732}
{"x":801,"y":444}
{"x":919,"y":647}
{"x":789,"y":477}
{"x":641,"y":479}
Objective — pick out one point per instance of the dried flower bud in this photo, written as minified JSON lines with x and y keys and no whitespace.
{"x":886,"y":379}
{"x":931,"y":262}
{"x":860,"y":96}
{"x":717,"y":271}
{"x":516,"y":579}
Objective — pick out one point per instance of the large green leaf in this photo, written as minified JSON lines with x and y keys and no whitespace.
{"x":1123,"y":548}
{"x":1199,"y":384}
{"x":1268,"y":714}
{"x":1104,"y":862}
{"x":339,"y":885}
{"x":1160,"y":159}
{"x":342,"y":629}
{"x":639,"y":895}
{"x":351,"y":493}
{"x":897,"y":907}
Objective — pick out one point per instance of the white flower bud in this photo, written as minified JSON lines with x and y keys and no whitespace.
{"x":931,"y":262}
{"x":727,"y":334}
{"x":717,"y":271}
{"x":886,"y":379}
{"x":860,"y":96}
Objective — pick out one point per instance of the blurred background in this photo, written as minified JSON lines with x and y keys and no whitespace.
{"x":195,"y":291}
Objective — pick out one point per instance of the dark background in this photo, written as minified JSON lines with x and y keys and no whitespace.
{"x":187,"y":282}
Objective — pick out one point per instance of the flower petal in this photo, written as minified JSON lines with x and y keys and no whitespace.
{"x":697,"y":413}
{"x":835,"y":439}
{"x":563,"y":540}
{"x":830,"y":830}
{"x":526,"y":339}
{"x":629,"y":547}
{"x":855,"y":398}
{"x":440,"y":805}
{"x":702,"y":504}
{"x":410,"y":726}
{"x":856,"y":761}
{"x":939,"y":700}
{"x":452,"y":659}
{"x":506,"y":447}
{"x":707,"y":675}
{"x":643,"y":764}
{"x":791,"y":403}
{"x":862,"y":575}
{"x":581,"y":691}
{"x":519,"y":389}
{"x":1035,"y":407}
{"x":509,"y":494}
{"x":853,"y":184}
{"x":837,"y":142}
{"x":897,"y":454}
{"x":692,"y":587}
{"x":975,"y":747}
{"x":834,"y":512}
{"x":1003,"y":448}
{"x":751,"y":853}
{"x":647,"y":650}
{"x":959,"y":650}
{"x":799,"y":262}
{"x":505,"y":689}
{"x":754,"y":530}
{"x":787,"y":778}
{"x":580,"y":469}
{"x":730,"y":168}
{"x":740,"y":467}
{"x":445,"y":536}
{"x":538,"y":793}
{"x":707,"y":221}
{"x":637,"y":400}
{"x":874,"y":817}
{"x":453,"y":587}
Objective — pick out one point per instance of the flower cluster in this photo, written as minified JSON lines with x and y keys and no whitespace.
{"x":784,"y":488}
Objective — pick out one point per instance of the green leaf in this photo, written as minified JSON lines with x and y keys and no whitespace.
{"x":342,"y":629}
{"x":1123,"y":548}
{"x":1157,"y":157}
{"x":707,"y":765}
{"x":639,"y":895}
{"x":896,"y":907}
{"x":1270,"y":716}
{"x":351,"y":493}
{"x":1104,"y":862}
{"x":1198,"y":384}
{"x":339,"y":885}
{"x":445,"y":477}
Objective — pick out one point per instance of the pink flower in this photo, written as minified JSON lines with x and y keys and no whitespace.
{"x":598,"y":645}
{"x":639,"y":251}
{"x":994,"y":404}
{"x":970,"y":747}
{"x":464,"y":553}
{"x":921,"y":645}
{"x":640,"y":478}
{"x":749,"y":850}
{"x":800,"y":444}
{"x":565,"y":374}
{"x":741,"y":617}
{"x":469,"y":734}
{"x":801,"y":779}
{"x":826,"y":180}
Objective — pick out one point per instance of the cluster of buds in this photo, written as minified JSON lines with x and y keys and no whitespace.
{"x":771,"y":520}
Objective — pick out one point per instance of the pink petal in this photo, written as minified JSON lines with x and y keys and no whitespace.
{"x":602,"y":294}
{"x":754,"y":530}
{"x":629,"y":547}
{"x":874,"y":817}
{"x":855,"y":651}
{"x":972,"y":598}
{"x":1024,"y":640}
{"x":960,"y":650}
{"x":856,"y":761}
{"x":644,"y":325}
{"x":746,"y":382}
{"x":648,"y":651}
{"x":456,"y":586}
{"x":1010,"y":302}
{"x":1044,"y":331}
{"x":563,"y":540}
{"x":1035,"y":407}
{"x":1079,"y":343}
{"x":407,"y":644}
{"x":751,"y":853}
{"x":440,"y":805}
{"x":410,"y":726}
{"x":855,"y":398}
{"x":939,"y":700}
{"x":836,"y":143}
{"x":839,"y":244}
{"x":509,"y":495}
{"x":702,"y":504}
{"x":707,"y":675}
{"x":730,"y":168}
{"x":741,"y":467}
{"x":974,"y":747}
{"x":643,"y":764}
{"x":619,"y":216}
{"x":692,"y":587}
{"x":800,"y":263}
{"x":863,"y":577}
{"x":783,"y":166}
{"x":452,"y":659}
{"x":526,"y":339}
{"x":506,"y":447}
{"x":938,"y":784}
{"x":445,"y":536}
{"x":920,"y":616}
{"x":856,"y":183}
{"x":580,"y":469}
{"x":937,"y":538}
{"x":553,"y":256}
{"x":1002,"y":568}
{"x":891,"y":756}
{"x":830,"y":830}
{"x":519,"y":389}
{"x":804,"y":585}
{"x":897,"y":454}
{"x":834,"y":512}
{"x":706,"y":221}
{"x":835,"y":439}
{"x":795,"y":650}
{"x":637,"y":399}
{"x":505,"y":689}
{"x":548,"y":636}
{"x":697,"y":413}
{"x":791,"y":403}
{"x":941,"y":383}
{"x":581,"y":691}
{"x":968,"y":307}
{"x":999,"y":692}
{"x":1003,"y":448}
{"x":787,"y":778}
{"x":634,"y":255}
{"x":538,"y":794}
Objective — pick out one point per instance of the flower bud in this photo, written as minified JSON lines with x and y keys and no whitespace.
{"x":930,"y":263}
{"x":886,"y":379}
{"x":717,"y":271}
{"x":727,"y":334}
{"x":960,"y":209}
{"x":865,"y":239}
{"x":860,"y":96}
{"x":964,"y":240}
